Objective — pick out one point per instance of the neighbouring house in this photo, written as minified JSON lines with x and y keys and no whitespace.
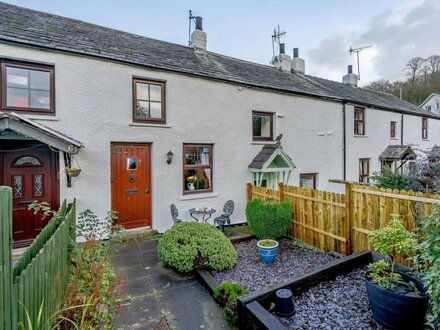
{"x":151,"y":123}
{"x":432,"y":103}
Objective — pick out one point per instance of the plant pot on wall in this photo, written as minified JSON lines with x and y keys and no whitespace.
{"x":268,"y":250}
{"x":395,"y":310}
{"x":72,"y":171}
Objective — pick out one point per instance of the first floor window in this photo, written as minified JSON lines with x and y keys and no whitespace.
{"x":387,"y":164}
{"x":27,"y":87}
{"x":364,"y":170}
{"x":424,"y":128}
{"x":148,"y":101}
{"x":308,"y":180}
{"x":197,"y":168}
{"x":359,"y":121}
{"x":393,"y":129}
{"x":262,"y":126}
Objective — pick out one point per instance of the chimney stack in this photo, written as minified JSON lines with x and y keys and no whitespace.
{"x":298,"y":64}
{"x":198,"y":37}
{"x":282,"y":61}
{"x":350,"y":78}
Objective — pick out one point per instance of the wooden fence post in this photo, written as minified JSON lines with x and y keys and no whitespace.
{"x":6,"y":307}
{"x":282,"y":189}
{"x":249,"y":192}
{"x":348,"y":217}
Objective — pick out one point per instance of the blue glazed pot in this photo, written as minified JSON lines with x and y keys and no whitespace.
{"x":268,"y":254}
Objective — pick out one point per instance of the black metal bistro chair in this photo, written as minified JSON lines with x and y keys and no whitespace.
{"x":225,"y":218}
{"x":175,"y":214}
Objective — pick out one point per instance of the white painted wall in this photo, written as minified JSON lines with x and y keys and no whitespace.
{"x":94,"y":105}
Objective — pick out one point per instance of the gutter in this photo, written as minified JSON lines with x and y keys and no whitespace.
{"x":344,"y":142}
{"x":401,"y":130}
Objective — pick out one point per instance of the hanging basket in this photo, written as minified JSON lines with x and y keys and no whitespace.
{"x":73,"y":172}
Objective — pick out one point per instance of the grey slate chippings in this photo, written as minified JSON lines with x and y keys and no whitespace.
{"x":253,"y":275}
{"x":338,"y":304}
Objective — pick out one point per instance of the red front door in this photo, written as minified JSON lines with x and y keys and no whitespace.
{"x":31,"y":172}
{"x":131,"y":184}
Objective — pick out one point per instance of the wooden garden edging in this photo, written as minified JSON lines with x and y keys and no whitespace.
{"x":342,"y":222}
{"x":41,"y":274}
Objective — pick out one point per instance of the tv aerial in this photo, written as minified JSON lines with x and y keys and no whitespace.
{"x":357,"y":51}
{"x":276,"y":40}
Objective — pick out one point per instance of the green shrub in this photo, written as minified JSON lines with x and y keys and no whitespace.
{"x":190,"y":244}
{"x":226,"y":295}
{"x":390,"y":179}
{"x":268,"y":220}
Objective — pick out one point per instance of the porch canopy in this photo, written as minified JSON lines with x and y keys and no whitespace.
{"x":13,"y":124}
{"x":271,"y":166}
{"x":397,"y":152}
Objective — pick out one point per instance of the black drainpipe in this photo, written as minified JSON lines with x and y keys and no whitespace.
{"x":401,"y":131}
{"x":344,"y":142}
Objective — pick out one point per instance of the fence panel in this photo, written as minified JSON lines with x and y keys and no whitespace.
{"x":40,"y":277}
{"x":5,"y":258}
{"x":342,"y":222}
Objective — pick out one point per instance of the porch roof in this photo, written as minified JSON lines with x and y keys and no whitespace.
{"x":30,"y":128}
{"x":265,"y":160}
{"x":398,"y":152}
{"x":434,"y":154}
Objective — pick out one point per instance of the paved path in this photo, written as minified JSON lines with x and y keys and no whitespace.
{"x":161,"y":299}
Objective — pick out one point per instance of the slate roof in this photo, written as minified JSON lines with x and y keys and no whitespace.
{"x":264,"y":155}
{"x":434,"y":154}
{"x":370,"y":98}
{"x":397,"y":152}
{"x":48,"y":31}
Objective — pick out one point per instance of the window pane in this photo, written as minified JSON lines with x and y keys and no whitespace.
{"x":17,"y":77}
{"x":155,"y":110}
{"x":40,"y":80}
{"x":261,"y":125}
{"x":38,"y":185}
{"x":143,"y":110}
{"x":197,"y":179}
{"x":40,"y":99}
{"x":18,"y":186}
{"x":196,"y":155}
{"x":142,"y":91}
{"x":131,"y":163}
{"x":17,"y":97}
{"x":155,"y":93}
{"x":307,"y":182}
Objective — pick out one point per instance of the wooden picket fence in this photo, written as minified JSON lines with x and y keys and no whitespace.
{"x":342,"y":222}
{"x":40,"y":277}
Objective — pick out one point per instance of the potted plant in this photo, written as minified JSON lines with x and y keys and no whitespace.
{"x":268,"y":221}
{"x":73,"y":171}
{"x":397,"y":299}
{"x":191,"y":179}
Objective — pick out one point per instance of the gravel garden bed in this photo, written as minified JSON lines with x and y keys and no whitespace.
{"x":338,"y":304}
{"x":292,"y":261}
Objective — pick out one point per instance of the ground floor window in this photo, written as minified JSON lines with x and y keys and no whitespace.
{"x":197,"y":168}
{"x":387,"y":164}
{"x":308,"y":180}
{"x":364,"y":170}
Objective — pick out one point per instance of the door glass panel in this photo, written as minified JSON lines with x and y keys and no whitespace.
{"x":38,"y":185}
{"x":131,"y":163}
{"x":18,"y":186}
{"x":27,"y":161}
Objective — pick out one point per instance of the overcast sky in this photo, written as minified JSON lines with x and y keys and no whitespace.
{"x":322,"y":30}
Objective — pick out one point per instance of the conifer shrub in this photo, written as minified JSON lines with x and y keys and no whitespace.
{"x":268,"y":220}
{"x":188,"y":245}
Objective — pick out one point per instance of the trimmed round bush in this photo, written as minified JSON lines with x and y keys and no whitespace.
{"x":268,"y":220}
{"x":187,"y":245}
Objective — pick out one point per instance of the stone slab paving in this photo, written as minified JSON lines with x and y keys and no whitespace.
{"x":160,"y":298}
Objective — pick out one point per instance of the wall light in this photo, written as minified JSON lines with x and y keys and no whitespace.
{"x":169,"y":157}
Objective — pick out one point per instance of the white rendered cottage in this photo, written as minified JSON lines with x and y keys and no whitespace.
{"x":152,"y":123}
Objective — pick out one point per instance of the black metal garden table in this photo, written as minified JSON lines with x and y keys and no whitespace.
{"x":205,"y":212}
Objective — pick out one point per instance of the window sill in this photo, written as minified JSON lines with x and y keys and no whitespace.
{"x":198,"y":196}
{"x":150,"y":125}
{"x":42,"y":117}
{"x":394,"y":138}
{"x":425,"y":140}
{"x":263,"y":142}
{"x":360,"y":136}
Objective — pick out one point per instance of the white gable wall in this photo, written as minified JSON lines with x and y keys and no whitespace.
{"x":94,"y":105}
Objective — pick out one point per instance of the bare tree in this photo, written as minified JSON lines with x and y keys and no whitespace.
{"x":382,"y":85}
{"x":433,"y":64}
{"x":413,"y":68}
